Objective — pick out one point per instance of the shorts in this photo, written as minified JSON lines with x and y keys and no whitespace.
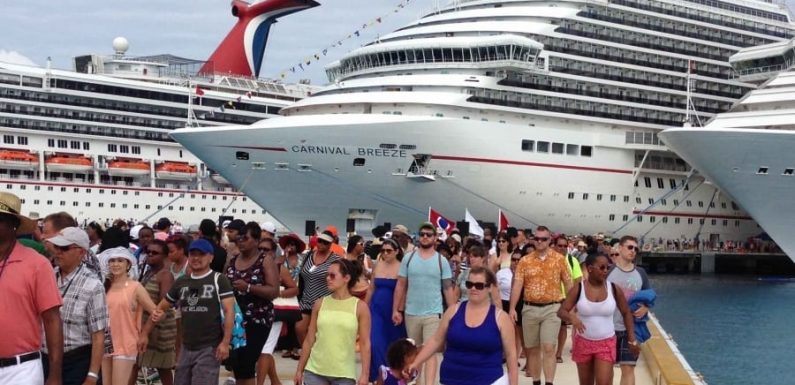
{"x":197,"y":367}
{"x":273,"y":338}
{"x":245,"y":361}
{"x":540,"y":325}
{"x":421,"y":328}
{"x":584,"y":350}
{"x":623,"y":355}
{"x":318,"y":379}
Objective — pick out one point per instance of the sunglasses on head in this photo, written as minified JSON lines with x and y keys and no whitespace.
{"x":426,"y":234}
{"x":476,"y":285}
{"x":541,"y":239}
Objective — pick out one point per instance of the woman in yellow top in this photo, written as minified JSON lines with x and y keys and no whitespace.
{"x":328,"y":356}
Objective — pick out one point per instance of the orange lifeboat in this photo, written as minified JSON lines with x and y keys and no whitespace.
{"x":128,"y":167}
{"x":175,"y":170}
{"x":69,"y":163}
{"x":18,"y":159}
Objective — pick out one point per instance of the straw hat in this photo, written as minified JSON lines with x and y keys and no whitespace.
{"x":11,"y":205}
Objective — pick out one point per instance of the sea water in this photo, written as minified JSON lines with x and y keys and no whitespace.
{"x":731,"y":329}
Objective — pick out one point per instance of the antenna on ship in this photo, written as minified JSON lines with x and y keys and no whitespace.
{"x":689,"y":105}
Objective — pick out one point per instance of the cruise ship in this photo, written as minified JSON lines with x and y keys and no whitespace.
{"x":95,"y":141}
{"x":547,"y":110}
{"x":747,"y":151}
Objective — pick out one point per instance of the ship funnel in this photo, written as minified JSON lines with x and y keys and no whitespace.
{"x":240,"y":53}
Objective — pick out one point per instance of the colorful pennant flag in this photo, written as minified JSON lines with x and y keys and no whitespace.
{"x":438,"y":220}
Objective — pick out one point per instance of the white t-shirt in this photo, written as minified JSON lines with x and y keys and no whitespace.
{"x":504,"y":279}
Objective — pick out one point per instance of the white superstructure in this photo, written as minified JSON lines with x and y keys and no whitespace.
{"x":94,"y":142}
{"x":747,"y":152}
{"x":548,"y":110}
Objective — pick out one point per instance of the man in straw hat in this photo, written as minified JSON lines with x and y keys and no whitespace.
{"x":29,"y":300}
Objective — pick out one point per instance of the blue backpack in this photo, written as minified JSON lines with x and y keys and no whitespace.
{"x":238,"y":331}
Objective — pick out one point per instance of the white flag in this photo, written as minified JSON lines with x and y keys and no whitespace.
{"x":474,"y":227}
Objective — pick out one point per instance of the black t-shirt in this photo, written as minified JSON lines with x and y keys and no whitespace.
{"x":219,"y":257}
{"x":200,"y":307}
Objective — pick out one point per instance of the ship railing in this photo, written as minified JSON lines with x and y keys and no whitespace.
{"x":532,"y":66}
{"x":758,"y":70}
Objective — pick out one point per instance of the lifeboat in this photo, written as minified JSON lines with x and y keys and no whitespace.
{"x":18,"y":159}
{"x":174,"y":170}
{"x":218,"y":178}
{"x":128,"y":167}
{"x":69,"y":163}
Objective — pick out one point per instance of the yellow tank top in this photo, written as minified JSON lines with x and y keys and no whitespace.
{"x":334,"y":351}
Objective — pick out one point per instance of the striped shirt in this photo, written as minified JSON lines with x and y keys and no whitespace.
{"x":313,"y":281}
{"x":84,"y":311}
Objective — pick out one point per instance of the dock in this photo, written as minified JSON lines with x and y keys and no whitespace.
{"x":660,"y":363}
{"x":716,"y":262}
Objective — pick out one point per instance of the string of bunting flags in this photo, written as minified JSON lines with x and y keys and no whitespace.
{"x":339,"y":42}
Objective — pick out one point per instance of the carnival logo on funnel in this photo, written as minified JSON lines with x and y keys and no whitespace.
{"x":241,"y":52}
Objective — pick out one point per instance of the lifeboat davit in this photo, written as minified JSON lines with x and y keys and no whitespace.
{"x":174,"y":170}
{"x":128,"y":167}
{"x":18,"y":159}
{"x":69,"y":163}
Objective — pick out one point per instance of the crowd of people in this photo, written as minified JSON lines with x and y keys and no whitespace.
{"x":89,"y":303}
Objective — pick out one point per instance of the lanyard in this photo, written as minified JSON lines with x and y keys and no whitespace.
{"x":63,"y":294}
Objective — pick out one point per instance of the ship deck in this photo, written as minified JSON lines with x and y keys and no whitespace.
{"x":660,"y":363}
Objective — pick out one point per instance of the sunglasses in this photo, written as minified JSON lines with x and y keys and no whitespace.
{"x":388,"y":251}
{"x":64,"y":249}
{"x":426,"y":235}
{"x":541,"y":239}
{"x":265,"y":249}
{"x":322,"y":242}
{"x":516,"y":259}
{"x":602,"y":267}
{"x":503,"y":241}
{"x":331,"y":276}
{"x":614,"y":254}
{"x":153,"y":252}
{"x":563,"y":245}
{"x":242,"y":238}
{"x":476,"y":285}
{"x":631,"y":247}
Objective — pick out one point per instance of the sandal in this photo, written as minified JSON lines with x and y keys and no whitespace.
{"x":559,"y":359}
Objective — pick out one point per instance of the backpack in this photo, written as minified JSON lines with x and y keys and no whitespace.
{"x":238,"y":331}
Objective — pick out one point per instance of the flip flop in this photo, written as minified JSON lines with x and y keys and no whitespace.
{"x":559,"y":359}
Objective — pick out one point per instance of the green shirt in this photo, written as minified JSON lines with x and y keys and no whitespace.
{"x":200,"y":307}
{"x":574,"y":269}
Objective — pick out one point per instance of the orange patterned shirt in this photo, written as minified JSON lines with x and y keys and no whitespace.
{"x":542,"y":278}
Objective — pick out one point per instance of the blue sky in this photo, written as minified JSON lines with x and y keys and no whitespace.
{"x":61,"y":29}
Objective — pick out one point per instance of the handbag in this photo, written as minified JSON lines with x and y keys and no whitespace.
{"x":238,"y":331}
{"x":286,"y":309}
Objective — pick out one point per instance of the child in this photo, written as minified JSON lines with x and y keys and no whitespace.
{"x":399,"y":356}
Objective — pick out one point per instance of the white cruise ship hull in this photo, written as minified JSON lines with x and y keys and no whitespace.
{"x":303,"y":168}
{"x":751,"y":166}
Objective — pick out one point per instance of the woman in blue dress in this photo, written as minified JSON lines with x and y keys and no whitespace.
{"x":379,"y":296}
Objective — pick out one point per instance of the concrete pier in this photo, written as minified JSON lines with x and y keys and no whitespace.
{"x":710,"y":262}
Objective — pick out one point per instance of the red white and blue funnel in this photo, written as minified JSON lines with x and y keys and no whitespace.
{"x":242,"y":50}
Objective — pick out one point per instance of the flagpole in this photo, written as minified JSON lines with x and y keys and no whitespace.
{"x":429,"y":213}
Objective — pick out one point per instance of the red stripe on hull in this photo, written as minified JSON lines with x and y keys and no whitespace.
{"x":530,"y":164}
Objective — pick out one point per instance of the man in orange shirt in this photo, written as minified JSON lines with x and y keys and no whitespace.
{"x":539,"y":276}
{"x":29,"y":300}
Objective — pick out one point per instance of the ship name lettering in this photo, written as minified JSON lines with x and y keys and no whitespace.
{"x":330,"y":150}
{"x":381,"y":152}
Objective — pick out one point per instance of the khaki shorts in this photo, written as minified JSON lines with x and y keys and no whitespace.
{"x":421,"y":328}
{"x":540,"y":325}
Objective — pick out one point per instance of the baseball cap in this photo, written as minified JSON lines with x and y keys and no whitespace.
{"x":427,"y":225}
{"x":400,"y":229}
{"x":162,"y":223}
{"x":134,"y":232}
{"x":226,"y":224}
{"x":268,"y":226}
{"x":333,"y":230}
{"x":236,"y":224}
{"x":71,"y":236}
{"x":193,"y":229}
{"x":202,"y":245}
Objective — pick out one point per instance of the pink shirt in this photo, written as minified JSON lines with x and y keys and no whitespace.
{"x":125,"y":319}
{"x":27,"y":289}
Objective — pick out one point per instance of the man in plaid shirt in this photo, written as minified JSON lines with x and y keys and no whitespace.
{"x":84,"y":313}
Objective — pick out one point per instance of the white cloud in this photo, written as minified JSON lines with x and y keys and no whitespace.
{"x":15,"y":57}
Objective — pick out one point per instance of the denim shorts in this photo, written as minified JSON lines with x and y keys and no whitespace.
{"x":623,"y":355}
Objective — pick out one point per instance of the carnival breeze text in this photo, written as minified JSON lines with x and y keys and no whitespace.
{"x":361,"y":151}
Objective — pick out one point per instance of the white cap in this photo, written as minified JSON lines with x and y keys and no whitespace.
{"x":71,"y":236}
{"x":268,"y":226}
{"x":226,"y":224}
{"x":134,"y":232}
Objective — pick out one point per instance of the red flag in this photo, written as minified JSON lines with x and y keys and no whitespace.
{"x":440,"y":221}
{"x":503,"y":222}
{"x":199,"y":91}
